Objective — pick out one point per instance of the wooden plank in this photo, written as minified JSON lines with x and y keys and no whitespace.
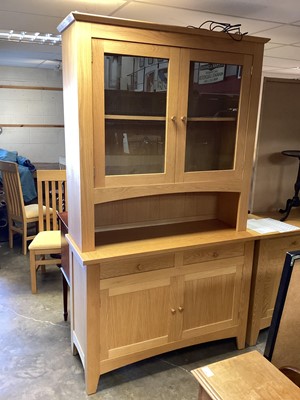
{"x":31,"y":126}
{"x":246,"y":376}
{"x":59,"y":89}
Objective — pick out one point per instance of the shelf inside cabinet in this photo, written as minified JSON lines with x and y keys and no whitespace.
{"x":165,"y":215}
{"x":116,"y":244}
{"x":211,"y":119}
{"x":110,"y":236}
{"x":134,"y":117}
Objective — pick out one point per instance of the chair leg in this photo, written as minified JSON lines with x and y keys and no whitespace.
{"x":24,"y":241}
{"x":10,"y":236}
{"x":33,"y":272}
{"x":65,"y":296}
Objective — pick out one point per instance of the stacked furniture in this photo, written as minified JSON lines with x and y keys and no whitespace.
{"x":160,"y":126}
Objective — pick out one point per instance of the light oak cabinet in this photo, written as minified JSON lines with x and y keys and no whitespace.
{"x":160,"y":126}
{"x":267,"y":269}
{"x":149,"y":305}
{"x":159,"y":114}
{"x":152,"y":309}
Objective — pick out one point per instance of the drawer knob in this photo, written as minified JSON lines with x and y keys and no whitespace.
{"x":139,"y":267}
{"x":215,"y":254}
{"x":180,"y":309}
{"x":173,"y":311}
{"x":173,"y":118}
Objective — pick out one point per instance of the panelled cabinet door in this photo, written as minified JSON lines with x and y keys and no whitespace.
{"x":134,"y":116}
{"x":211,"y":298}
{"x":135,"y":314}
{"x":212,"y":115}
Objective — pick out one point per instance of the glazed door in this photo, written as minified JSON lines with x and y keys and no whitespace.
{"x":135,"y":98}
{"x":212,"y":115}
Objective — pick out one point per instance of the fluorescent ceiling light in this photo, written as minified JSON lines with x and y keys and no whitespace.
{"x":28,"y":37}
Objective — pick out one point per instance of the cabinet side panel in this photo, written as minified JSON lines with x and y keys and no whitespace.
{"x":276,"y":251}
{"x":243,"y":304}
{"x":78,"y":304}
{"x":77,"y":79}
{"x":286,"y":350}
{"x":92,"y":368}
{"x":256,"y":61}
{"x":228,"y":204}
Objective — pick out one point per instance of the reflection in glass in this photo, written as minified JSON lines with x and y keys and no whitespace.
{"x":135,"y":114}
{"x":214,"y":92}
{"x":135,"y":85}
{"x":210,"y":146}
{"x":134,"y":147}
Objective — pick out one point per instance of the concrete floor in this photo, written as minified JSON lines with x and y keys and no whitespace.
{"x":35,"y":353}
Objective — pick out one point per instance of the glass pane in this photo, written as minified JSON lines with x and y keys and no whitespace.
{"x":210,"y":145}
{"x":134,"y":147}
{"x":214,"y":92}
{"x":135,"y":92}
{"x":135,"y":85}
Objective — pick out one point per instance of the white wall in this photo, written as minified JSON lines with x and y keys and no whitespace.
{"x":275,"y":174}
{"x":27,"y":106}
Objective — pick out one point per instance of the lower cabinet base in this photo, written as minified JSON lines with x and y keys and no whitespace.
{"x":176,"y":300}
{"x":94,"y":372}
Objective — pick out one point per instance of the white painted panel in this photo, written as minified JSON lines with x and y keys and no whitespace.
{"x":44,"y":136}
{"x":15,"y":137}
{"x":28,"y":106}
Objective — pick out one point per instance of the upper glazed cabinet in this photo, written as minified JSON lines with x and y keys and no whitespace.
{"x":165,"y":114}
{"x":160,"y":124}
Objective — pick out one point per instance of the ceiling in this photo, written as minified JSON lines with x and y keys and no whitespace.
{"x":274,"y":19}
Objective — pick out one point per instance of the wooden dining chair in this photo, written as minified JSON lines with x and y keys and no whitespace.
{"x":45,"y":249}
{"x":19,"y":215}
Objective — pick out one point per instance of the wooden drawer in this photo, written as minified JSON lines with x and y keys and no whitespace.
{"x":136,"y":265}
{"x":213,"y":253}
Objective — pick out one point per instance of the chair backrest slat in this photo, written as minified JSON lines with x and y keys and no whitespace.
{"x":13,"y":189}
{"x":52,"y":196}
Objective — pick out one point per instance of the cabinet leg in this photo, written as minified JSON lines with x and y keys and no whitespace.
{"x":74,"y":349}
{"x":91,"y":381}
{"x":252,"y":336}
{"x":241,"y":342}
{"x":65,"y":296}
